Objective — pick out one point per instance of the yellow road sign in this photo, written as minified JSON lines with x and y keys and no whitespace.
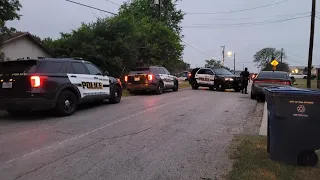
{"x":274,"y":63}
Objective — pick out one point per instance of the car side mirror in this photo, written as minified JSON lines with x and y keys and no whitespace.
{"x":106,"y":73}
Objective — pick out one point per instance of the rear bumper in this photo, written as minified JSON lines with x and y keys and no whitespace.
{"x":141,"y":87}
{"x":31,"y":104}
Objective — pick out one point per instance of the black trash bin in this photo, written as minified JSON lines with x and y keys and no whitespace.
{"x":293,"y":125}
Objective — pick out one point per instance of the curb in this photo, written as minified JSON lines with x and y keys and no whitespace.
{"x":264,"y":122}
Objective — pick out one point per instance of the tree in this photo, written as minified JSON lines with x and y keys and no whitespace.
{"x":212,"y":63}
{"x":266,"y":55}
{"x":9,"y":9}
{"x":282,"y":66}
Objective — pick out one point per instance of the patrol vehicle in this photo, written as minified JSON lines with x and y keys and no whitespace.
{"x":154,"y":78}
{"x":54,"y":83}
{"x":216,"y":78}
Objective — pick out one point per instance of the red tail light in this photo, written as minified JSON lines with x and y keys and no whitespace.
{"x":150,"y":77}
{"x":189,"y":74}
{"x":126,"y":78}
{"x":36,"y":81}
{"x":273,"y":81}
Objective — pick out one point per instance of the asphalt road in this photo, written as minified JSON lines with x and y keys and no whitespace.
{"x":176,"y":135}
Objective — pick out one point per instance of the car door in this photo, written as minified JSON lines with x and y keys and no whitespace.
{"x":200,"y":76}
{"x":164,"y":77}
{"x":170,"y":78}
{"x":209,"y":76}
{"x":102,"y":83}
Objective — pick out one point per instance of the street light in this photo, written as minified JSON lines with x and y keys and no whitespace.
{"x":229,"y":54}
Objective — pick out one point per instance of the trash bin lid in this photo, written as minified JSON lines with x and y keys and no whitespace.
{"x":285,"y":90}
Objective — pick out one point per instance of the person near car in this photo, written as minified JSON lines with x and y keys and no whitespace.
{"x":245,"y":80}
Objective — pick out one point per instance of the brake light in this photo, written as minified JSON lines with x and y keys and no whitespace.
{"x":189,"y":74}
{"x":150,"y":77}
{"x":36,"y":81}
{"x":273,"y":81}
{"x":126,"y":78}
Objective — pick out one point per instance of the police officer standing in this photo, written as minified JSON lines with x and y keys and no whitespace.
{"x":245,"y":79}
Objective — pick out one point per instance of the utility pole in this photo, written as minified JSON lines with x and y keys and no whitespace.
{"x":281,"y":55}
{"x":234,"y":62}
{"x":223,"y":48}
{"x":313,"y":15}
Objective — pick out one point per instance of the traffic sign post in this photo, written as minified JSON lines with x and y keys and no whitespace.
{"x":274,"y":64}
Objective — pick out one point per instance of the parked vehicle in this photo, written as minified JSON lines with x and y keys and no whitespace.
{"x":268,"y":79}
{"x":298,"y":76}
{"x":184,"y":76}
{"x":54,"y":83}
{"x":154,"y":78}
{"x":216,"y":78}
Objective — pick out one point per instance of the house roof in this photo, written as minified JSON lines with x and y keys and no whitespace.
{"x":15,"y":36}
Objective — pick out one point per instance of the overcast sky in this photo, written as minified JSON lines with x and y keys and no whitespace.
{"x":205,"y":33}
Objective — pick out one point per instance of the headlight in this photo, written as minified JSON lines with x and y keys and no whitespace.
{"x":228,"y":79}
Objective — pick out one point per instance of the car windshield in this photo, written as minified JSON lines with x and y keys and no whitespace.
{"x":272,"y":75}
{"x":221,"y":71}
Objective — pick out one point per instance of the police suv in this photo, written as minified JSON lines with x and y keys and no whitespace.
{"x":154,"y":78}
{"x":54,"y":83}
{"x":216,"y":78}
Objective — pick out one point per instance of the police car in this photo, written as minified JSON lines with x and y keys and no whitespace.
{"x":155,"y":79}
{"x":53,"y":83}
{"x":216,"y":78}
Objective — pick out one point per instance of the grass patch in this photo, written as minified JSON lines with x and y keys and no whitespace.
{"x":302,"y":83}
{"x":184,"y":84}
{"x":252,"y":162}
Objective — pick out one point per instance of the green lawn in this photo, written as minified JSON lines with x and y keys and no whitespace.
{"x":302,"y":83}
{"x":183,"y":84}
{"x":252,"y":162}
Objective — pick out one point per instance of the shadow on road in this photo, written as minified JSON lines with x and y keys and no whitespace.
{"x":43,"y":115}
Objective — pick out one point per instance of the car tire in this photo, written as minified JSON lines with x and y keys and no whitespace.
{"x":308,"y":158}
{"x":67,"y":103}
{"x":219,"y":87}
{"x":194,"y":85}
{"x":160,"y":88}
{"x":116,"y":94}
{"x":252,"y":96}
{"x":175,"y":86}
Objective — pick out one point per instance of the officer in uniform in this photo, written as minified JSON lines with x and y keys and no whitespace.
{"x":245,"y":79}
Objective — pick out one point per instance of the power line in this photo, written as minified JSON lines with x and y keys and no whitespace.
{"x":91,"y":7}
{"x":241,"y":10}
{"x":242,"y":24}
{"x":113,"y":2}
{"x":197,"y":49}
{"x":281,"y":15}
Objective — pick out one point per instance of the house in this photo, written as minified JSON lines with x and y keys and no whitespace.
{"x":23,"y":45}
{"x":303,"y":69}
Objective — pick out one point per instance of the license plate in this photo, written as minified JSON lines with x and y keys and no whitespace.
{"x":136,"y":78}
{"x":7,"y":85}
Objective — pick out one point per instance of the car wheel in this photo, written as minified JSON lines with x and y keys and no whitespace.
{"x":220,"y":87}
{"x":308,"y":158}
{"x":66,"y":104}
{"x":159,"y":89}
{"x":116,"y":94}
{"x":175,"y":86}
{"x":252,"y":96}
{"x":195,"y":85}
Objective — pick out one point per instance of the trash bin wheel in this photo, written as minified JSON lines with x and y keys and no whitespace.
{"x":308,"y":158}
